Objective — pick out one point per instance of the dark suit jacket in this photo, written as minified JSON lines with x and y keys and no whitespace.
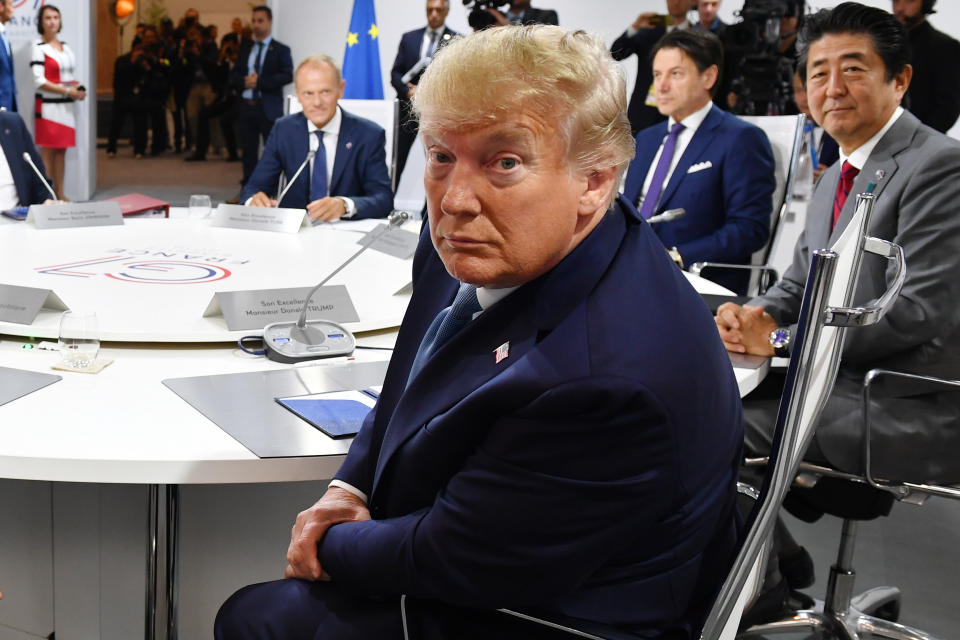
{"x":934,"y":93}
{"x":15,"y":139}
{"x":728,"y":204}
{"x":276,"y":71}
{"x":359,"y":169}
{"x":589,"y":474}
{"x":408,"y":54}
{"x":640,"y":44}
{"x":916,"y":208}
{"x":540,"y":16}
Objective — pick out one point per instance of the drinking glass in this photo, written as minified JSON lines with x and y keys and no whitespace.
{"x":200,"y":206}
{"x":79,"y":338}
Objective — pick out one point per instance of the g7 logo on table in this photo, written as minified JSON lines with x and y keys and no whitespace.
{"x":147,"y":267}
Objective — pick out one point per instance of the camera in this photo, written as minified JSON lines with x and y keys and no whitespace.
{"x":761,"y":76}
{"x":479,"y":18}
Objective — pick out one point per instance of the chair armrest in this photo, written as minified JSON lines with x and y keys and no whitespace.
{"x":768,"y":275}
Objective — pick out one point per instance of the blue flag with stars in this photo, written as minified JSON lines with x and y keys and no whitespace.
{"x":361,"y":60}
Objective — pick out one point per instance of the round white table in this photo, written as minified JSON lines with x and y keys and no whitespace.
{"x":150,"y":281}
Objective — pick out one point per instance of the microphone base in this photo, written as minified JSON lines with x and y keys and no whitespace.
{"x":286,"y":342}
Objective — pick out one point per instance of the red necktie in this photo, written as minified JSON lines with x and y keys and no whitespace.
{"x":847,"y":174}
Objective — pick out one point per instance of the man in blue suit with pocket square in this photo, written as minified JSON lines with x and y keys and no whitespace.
{"x":716,"y":167}
{"x":347,"y":175}
{"x":559,"y":426}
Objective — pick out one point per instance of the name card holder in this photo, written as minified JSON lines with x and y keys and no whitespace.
{"x":75,"y":214}
{"x":399,"y":243}
{"x":255,"y":309}
{"x":236,"y":216}
{"x":20,"y":305}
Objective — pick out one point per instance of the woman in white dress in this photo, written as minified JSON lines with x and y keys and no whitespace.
{"x":54,"y":80}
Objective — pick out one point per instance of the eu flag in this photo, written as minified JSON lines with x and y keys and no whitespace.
{"x":361,"y":61}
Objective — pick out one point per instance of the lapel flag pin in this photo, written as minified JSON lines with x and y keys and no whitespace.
{"x":501,"y":352}
{"x":880,"y":174}
{"x":349,"y":145}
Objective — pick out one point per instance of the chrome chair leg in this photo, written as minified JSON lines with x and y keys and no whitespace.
{"x":878,"y":628}
{"x":873,"y":600}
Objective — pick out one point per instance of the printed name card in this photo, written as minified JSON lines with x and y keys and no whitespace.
{"x":256,"y":309}
{"x":236,"y":216}
{"x":75,"y":214}
{"x":21,"y":305}
{"x":397,"y":242}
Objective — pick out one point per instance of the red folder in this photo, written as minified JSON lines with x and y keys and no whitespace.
{"x":141,"y":206}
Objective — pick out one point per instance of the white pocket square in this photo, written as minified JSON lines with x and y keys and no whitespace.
{"x":700,"y":166}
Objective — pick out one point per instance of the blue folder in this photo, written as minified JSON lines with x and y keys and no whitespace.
{"x":338,"y":418}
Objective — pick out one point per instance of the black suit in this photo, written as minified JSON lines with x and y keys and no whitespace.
{"x":538,"y":16}
{"x":15,"y":139}
{"x":255,"y":117}
{"x":641,"y":43}
{"x":934,"y":93}
{"x":408,"y":54}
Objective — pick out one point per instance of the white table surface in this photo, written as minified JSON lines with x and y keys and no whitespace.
{"x":123,"y":425}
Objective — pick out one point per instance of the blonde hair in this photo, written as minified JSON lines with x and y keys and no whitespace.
{"x":318,"y":60}
{"x":564,"y":76}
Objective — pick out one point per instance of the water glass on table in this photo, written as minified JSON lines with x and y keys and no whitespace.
{"x":200,"y":207}
{"x":79,"y":341}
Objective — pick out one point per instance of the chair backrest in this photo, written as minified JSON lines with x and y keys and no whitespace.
{"x":824,"y":314}
{"x":384,"y":112}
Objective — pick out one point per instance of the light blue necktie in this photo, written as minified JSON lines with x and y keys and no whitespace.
{"x":318,"y":182}
{"x":447,"y":323}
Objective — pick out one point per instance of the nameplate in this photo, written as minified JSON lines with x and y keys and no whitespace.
{"x":21,"y":305}
{"x":75,"y":214}
{"x":397,"y":243}
{"x":256,"y":309}
{"x":236,"y":216}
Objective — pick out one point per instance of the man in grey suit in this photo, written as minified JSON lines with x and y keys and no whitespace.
{"x":856,"y":74}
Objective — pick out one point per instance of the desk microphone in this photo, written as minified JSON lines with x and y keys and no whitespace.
{"x":667,"y":216}
{"x":305,"y":162}
{"x":303,"y":340}
{"x":415,"y":70}
{"x":26,"y":156}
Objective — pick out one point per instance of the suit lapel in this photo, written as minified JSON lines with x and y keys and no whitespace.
{"x":345,"y":144}
{"x":297,"y":151}
{"x":879,"y":169}
{"x":467,"y":361}
{"x":704,"y":135}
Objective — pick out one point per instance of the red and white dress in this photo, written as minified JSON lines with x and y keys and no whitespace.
{"x":54,"y":120}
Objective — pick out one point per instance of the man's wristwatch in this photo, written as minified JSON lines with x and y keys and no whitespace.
{"x":780,"y":340}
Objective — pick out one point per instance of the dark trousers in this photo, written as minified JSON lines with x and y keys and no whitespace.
{"x":182,"y":135}
{"x":225,"y":112}
{"x":122,"y":109}
{"x":253,"y":125}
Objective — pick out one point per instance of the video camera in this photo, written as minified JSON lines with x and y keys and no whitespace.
{"x":761,"y":76}
{"x":479,"y":18}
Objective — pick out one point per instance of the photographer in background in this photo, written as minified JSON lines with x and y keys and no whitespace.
{"x":934,"y":94}
{"x":638,"y":40}
{"x":520,"y":12}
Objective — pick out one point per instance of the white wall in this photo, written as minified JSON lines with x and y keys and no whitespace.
{"x":79,"y":30}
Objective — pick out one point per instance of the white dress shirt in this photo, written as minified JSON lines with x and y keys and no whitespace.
{"x":331,"y":134}
{"x":692,"y":123}
{"x":858,"y":157}
{"x":425,"y":45}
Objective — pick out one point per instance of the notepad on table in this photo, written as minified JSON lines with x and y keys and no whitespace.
{"x":339,"y":414}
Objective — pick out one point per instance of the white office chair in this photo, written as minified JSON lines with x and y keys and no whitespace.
{"x":385,"y":113}
{"x":785,"y":134}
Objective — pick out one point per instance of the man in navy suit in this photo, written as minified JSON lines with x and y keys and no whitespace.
{"x":638,"y":40}
{"x":263,"y":67}
{"x":8,"y":80}
{"x":415,"y":48}
{"x":19,"y":185}
{"x":716,"y":167}
{"x":347,"y":176}
{"x":558,"y":429}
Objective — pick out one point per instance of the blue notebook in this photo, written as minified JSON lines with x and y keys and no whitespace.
{"x":336,"y":416}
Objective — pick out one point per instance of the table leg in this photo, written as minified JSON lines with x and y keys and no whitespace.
{"x":163,"y":526}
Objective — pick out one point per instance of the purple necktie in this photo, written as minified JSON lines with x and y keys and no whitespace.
{"x":660,"y":174}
